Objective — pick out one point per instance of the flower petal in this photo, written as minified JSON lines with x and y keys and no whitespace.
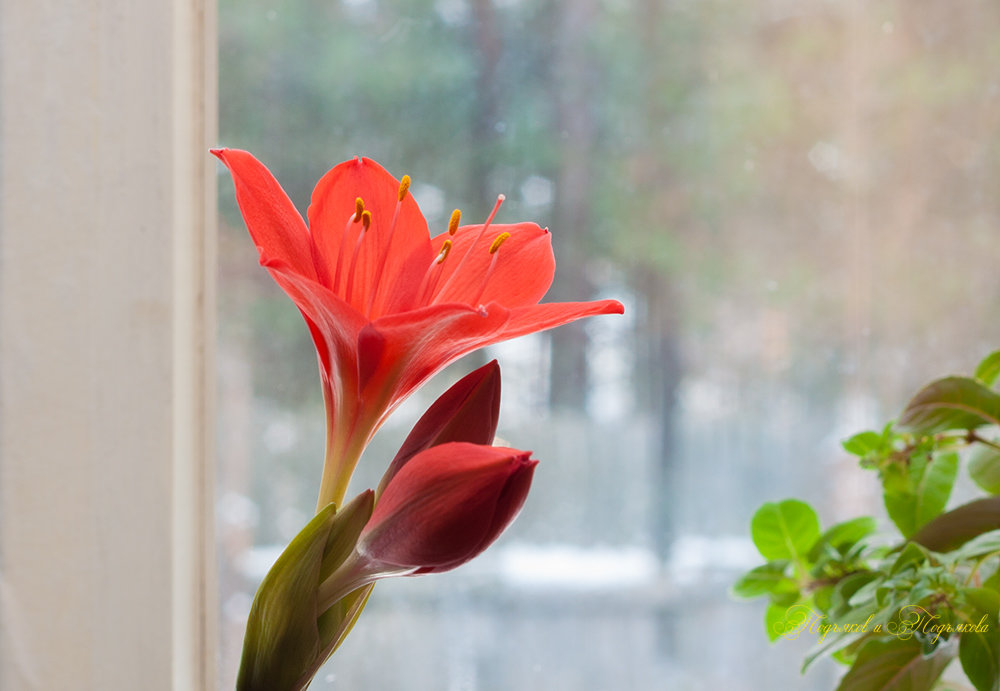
{"x":400,"y":352}
{"x":330,"y":210}
{"x":508,"y":505}
{"x":446,"y":506}
{"x":332,"y":323}
{"x":521,"y":275}
{"x":526,"y":320}
{"x":275,"y":226}
{"x":468,"y":411}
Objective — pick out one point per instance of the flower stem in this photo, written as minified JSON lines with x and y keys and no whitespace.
{"x":341,"y":459}
{"x":356,"y":572}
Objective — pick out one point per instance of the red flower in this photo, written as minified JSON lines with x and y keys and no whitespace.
{"x":468,"y":411}
{"x":386,"y":305}
{"x":443,"y":507}
{"x":446,"y":505}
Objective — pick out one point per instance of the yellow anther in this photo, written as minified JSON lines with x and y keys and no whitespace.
{"x":366,"y":219}
{"x":456,"y":216}
{"x":445,"y":249}
{"x":359,"y":207}
{"x":501,"y":238}
{"x":404,"y":185}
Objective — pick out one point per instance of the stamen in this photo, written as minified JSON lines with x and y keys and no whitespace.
{"x":482,"y":231}
{"x":500,"y":239}
{"x":366,"y":222}
{"x":443,"y":254}
{"x":404,"y":187}
{"x":359,"y":208}
{"x":427,"y":284}
{"x":456,"y":216}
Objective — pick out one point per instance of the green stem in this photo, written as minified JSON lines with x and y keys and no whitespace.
{"x":342,"y":457}
{"x":356,"y":572}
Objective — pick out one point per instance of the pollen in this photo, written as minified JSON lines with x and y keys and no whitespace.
{"x":404,"y":186}
{"x":500,"y":239}
{"x":359,"y":208}
{"x":443,"y":254}
{"x":456,"y":216}
{"x":366,"y":219}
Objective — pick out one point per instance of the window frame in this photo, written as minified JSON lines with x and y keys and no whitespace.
{"x":107,"y":331}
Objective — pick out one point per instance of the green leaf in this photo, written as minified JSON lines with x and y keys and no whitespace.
{"x":863,"y":443}
{"x":784,"y":530}
{"x":832,"y":643}
{"x":895,"y":665}
{"x":761,"y":580}
{"x":337,"y":622}
{"x":979,"y":645}
{"x":951,"y":530}
{"x":984,"y":467}
{"x":979,"y":653}
{"x":285,"y":643}
{"x":988,"y":371}
{"x":823,"y":598}
{"x":992,"y":580}
{"x":927,"y":496}
{"x":979,"y":546}
{"x":951,"y":403}
{"x":852,"y":602}
{"x":866,"y":593}
{"x":786,"y":593}
{"x":986,"y":600}
{"x":847,"y":587}
{"x":843,"y":535}
{"x":912,"y":554}
{"x":787,"y":622}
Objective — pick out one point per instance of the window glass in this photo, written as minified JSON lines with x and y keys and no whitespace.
{"x":796,"y":203}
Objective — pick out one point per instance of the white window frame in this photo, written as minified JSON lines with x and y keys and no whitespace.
{"x":107,"y":215}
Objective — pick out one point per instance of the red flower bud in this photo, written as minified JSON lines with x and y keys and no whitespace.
{"x":445,"y":506}
{"x":468,"y":411}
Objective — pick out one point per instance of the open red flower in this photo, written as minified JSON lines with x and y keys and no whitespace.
{"x":387,"y":306}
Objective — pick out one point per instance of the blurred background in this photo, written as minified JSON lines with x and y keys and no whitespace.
{"x":797,"y":204}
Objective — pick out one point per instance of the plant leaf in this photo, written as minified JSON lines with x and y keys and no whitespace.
{"x":840,"y":607}
{"x":285,"y":641}
{"x":979,"y":546}
{"x":787,"y":622}
{"x":761,"y":580}
{"x":927,"y":496}
{"x":863,"y":443}
{"x":282,"y":637}
{"x":984,"y":467}
{"x":988,"y":371}
{"x":784,"y":530}
{"x":951,"y":403}
{"x":979,"y":645}
{"x":832,"y":643}
{"x":843,"y":535}
{"x":895,"y":665}
{"x":951,"y":530}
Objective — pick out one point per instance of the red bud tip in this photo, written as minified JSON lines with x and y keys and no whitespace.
{"x":446,"y":505}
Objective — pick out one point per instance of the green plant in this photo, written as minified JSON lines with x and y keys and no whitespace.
{"x":899,"y":609}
